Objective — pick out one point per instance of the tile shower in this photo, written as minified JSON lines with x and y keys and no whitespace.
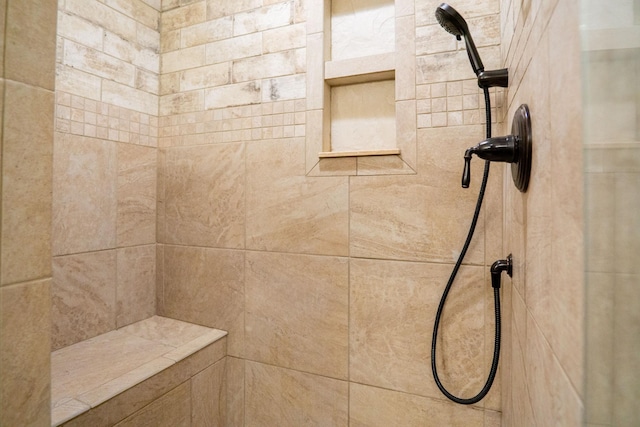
{"x":181,"y":188}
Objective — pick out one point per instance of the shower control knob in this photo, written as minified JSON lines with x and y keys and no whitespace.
{"x":514,"y":149}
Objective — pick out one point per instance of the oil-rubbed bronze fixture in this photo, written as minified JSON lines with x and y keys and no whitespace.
{"x":514,"y":149}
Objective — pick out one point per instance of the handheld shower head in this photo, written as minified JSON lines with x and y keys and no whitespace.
{"x":455,"y":24}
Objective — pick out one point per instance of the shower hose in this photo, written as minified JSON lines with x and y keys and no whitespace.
{"x":496,"y":294}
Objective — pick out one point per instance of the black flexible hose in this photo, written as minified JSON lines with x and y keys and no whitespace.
{"x":496,"y":294}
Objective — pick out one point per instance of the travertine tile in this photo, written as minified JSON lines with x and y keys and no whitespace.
{"x":284,"y":88}
{"x":204,"y":195}
{"x":405,"y":57}
{"x":336,"y":166}
{"x":84,"y":182}
{"x":183,"y":16}
{"x":450,"y":66}
{"x":66,"y":409}
{"x":284,"y":38}
{"x":78,"y":82}
{"x":129,"y":97}
{"x":136,"y":211}
{"x":208,"y":388}
{"x":376,"y":407}
{"x":520,"y":408}
{"x":406,"y":226}
{"x":316,"y":87}
{"x":80,"y":30}
{"x":361,"y":29}
{"x":263,"y":18}
{"x":136,"y":284}
{"x":137,"y":10}
{"x":183,"y":59}
{"x":553,"y":396}
{"x":29,"y":43}
{"x":433,"y":39}
{"x":207,"y":32}
{"x":156,"y":4}
{"x":172,"y":409}
{"x":178,"y":103}
{"x":492,"y":419}
{"x":219,"y":8}
{"x":129,"y":401}
{"x":148,"y":37}
{"x":166,"y":331}
{"x":3,"y":15}
{"x":230,"y":95}
{"x":83,"y":296}
{"x":113,"y":387}
{"x":170,"y":40}
{"x":195,"y":345}
{"x":104,"y":16}
{"x":383,"y":165}
{"x":206,"y":286}
{"x":311,"y":333}
{"x":27,"y":150}
{"x":25,"y":354}
{"x":267,"y":65}
{"x":234,"y":399}
{"x":230,"y":49}
{"x":493,"y":205}
{"x":406,"y":132}
{"x":562,"y":321}
{"x":132,"y":52}
{"x":278,"y":396}
{"x":98,"y":360}
{"x":363,"y":116}
{"x":95,"y":62}
{"x":393,"y":306}
{"x":160,"y":280}
{"x":203,"y":77}
{"x":289,"y":212}
{"x":147,"y":81}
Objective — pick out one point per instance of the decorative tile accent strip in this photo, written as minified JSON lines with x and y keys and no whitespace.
{"x":282,"y":119}
{"x":88,"y":117}
{"x":455,"y":103}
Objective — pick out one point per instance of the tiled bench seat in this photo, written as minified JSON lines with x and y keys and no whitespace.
{"x":105,"y":379}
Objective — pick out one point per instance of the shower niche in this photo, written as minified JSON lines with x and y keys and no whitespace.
{"x":360,"y":88}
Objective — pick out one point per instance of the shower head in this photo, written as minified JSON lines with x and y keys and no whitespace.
{"x":455,"y":24}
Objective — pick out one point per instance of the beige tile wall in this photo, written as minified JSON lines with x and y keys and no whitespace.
{"x":105,"y":166}
{"x":543,"y":363}
{"x":328,"y":285}
{"x":27,"y":46}
{"x":252,"y":237}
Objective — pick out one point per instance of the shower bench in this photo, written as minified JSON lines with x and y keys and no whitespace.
{"x":103,"y":380}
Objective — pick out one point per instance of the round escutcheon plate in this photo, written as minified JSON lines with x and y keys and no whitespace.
{"x":521,"y":129}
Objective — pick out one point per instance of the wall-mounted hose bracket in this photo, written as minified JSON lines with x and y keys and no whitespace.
{"x":498,"y":267}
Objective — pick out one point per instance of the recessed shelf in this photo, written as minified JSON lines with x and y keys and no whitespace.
{"x":360,"y":98}
{"x":358,"y":70}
